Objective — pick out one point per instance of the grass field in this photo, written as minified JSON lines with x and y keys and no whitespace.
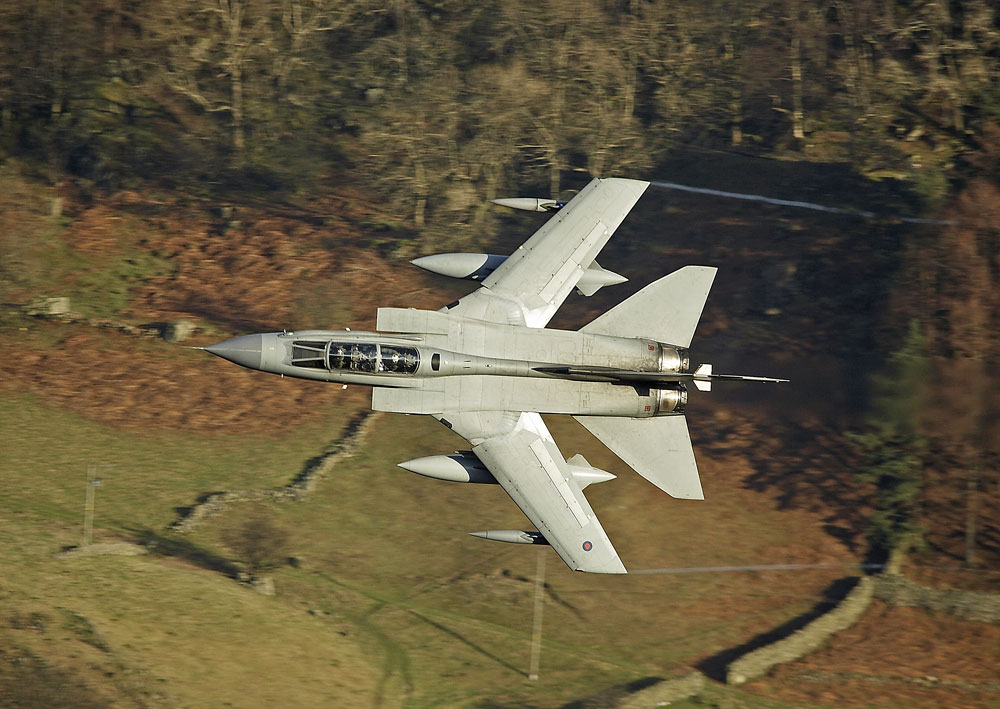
{"x":409,"y":611}
{"x":173,"y":629}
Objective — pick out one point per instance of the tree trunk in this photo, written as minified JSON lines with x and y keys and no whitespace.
{"x":421,"y":191}
{"x":238,"y":136}
{"x":798,"y":118}
{"x":736,"y":118}
{"x":971,"y":510}
{"x":735,"y":97}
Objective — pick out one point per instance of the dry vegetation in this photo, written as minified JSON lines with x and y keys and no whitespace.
{"x":777,"y":472}
{"x":893,"y":657}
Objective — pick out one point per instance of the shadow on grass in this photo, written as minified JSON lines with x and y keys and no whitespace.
{"x":186,"y":550}
{"x":715,"y":666}
{"x":462,"y":639}
{"x":612,"y":696}
{"x":805,"y":466}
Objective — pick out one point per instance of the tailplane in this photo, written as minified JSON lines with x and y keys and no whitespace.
{"x":658,"y":448}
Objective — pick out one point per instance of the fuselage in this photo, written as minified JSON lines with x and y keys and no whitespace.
{"x":522,"y":359}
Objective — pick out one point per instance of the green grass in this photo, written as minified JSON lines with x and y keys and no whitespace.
{"x":145,"y":476}
{"x":103,"y":285}
{"x":415,"y":612}
{"x":36,"y":256}
{"x":435,"y":603}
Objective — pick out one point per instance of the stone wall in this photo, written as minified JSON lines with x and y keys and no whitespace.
{"x":666,"y":692}
{"x":304,"y":483}
{"x":900,"y":591}
{"x":103,"y":549}
{"x":804,"y":640}
{"x":60,"y":309}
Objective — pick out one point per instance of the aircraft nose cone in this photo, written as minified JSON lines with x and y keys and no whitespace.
{"x":244,"y":351}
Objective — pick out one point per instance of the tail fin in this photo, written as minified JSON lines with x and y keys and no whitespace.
{"x":657,"y":448}
{"x":667,"y":310}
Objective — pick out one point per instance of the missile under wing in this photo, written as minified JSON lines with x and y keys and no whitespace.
{"x":487,"y":367}
{"x":515,"y":445}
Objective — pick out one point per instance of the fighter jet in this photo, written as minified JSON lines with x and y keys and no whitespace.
{"x":486,"y":367}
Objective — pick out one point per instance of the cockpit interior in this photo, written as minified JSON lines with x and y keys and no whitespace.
{"x":361,"y":357}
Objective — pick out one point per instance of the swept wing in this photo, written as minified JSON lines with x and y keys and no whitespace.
{"x":528,"y":288}
{"x":526,"y":462}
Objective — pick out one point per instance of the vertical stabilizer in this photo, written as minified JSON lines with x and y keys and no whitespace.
{"x":667,"y":310}
{"x":703,"y":377}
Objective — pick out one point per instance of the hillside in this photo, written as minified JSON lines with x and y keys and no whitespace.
{"x":389,"y":603}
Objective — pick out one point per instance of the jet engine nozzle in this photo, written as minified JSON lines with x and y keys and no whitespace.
{"x":674,"y":359}
{"x":672,"y":400}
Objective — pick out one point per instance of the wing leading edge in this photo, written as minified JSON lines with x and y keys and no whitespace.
{"x":528,"y":288}
{"x":528,"y":465}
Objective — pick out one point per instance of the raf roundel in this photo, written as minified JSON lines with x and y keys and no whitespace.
{"x":629,"y":371}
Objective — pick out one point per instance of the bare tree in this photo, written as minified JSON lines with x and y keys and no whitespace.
{"x":259,"y":542}
{"x":967,"y":291}
{"x":253,"y":62}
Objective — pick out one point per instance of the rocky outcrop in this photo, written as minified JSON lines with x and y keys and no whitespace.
{"x":178,"y":330}
{"x":264,"y":585}
{"x":48,"y":307}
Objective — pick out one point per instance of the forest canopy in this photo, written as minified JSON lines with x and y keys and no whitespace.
{"x":438,"y":106}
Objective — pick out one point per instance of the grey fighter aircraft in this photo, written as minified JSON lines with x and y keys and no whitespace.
{"x":487,"y":368}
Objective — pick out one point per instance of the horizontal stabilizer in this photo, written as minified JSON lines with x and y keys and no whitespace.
{"x":657,"y":448}
{"x":667,"y":310}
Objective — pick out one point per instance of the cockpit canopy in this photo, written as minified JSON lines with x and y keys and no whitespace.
{"x":362,"y":357}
